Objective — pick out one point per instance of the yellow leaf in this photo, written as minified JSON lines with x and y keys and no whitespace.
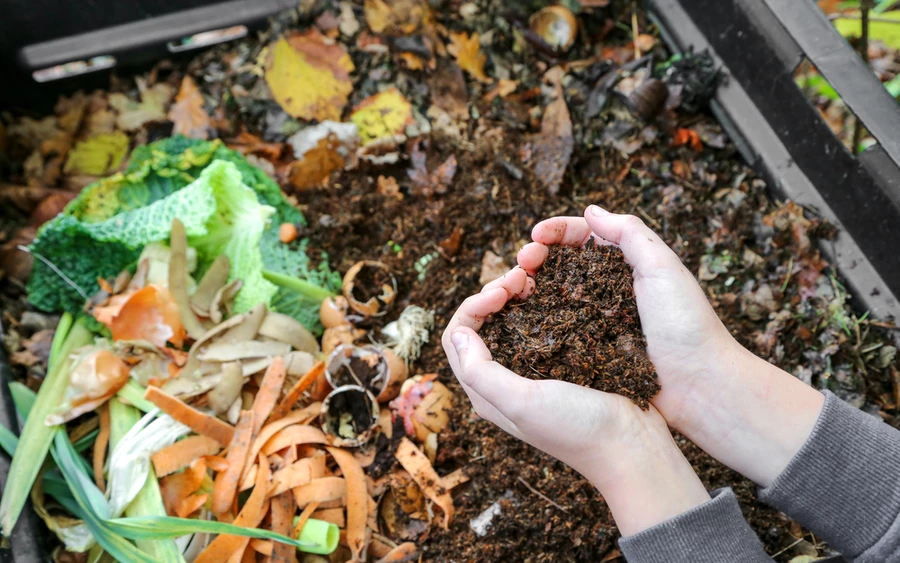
{"x":467,"y":50}
{"x":378,"y":15}
{"x":98,"y":154}
{"x":383,"y":115}
{"x":309,"y":76}
{"x":187,"y":112}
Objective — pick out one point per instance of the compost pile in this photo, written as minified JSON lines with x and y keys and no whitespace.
{"x":429,"y":138}
{"x":580,"y":325}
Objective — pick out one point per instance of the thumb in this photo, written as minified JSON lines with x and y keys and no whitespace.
{"x":503,"y":389}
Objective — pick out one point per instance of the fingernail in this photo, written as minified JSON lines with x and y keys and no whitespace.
{"x":597,"y":211}
{"x":459,"y":339}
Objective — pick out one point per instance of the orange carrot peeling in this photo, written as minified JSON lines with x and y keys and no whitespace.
{"x":357,"y":501}
{"x":297,"y":434}
{"x":191,"y":504}
{"x":418,"y":466}
{"x":301,"y":416}
{"x":100,"y":446}
{"x":304,"y":516}
{"x":182,"y":453}
{"x":226,"y":484}
{"x":290,"y":399}
{"x":321,"y":490}
{"x":403,"y":553}
{"x":282,"y":515}
{"x":197,"y":421}
{"x":269,"y":391}
{"x":225,"y":546}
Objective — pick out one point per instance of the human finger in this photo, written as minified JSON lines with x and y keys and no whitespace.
{"x":514,"y":282}
{"x":568,"y":231}
{"x":643,"y":248}
{"x":532,"y":256}
{"x":471,"y":314}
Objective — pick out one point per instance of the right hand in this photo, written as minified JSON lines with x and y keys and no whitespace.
{"x":742,"y":410}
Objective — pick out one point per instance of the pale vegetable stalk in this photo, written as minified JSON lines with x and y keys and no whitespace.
{"x":36,"y":436}
{"x":148,"y":501}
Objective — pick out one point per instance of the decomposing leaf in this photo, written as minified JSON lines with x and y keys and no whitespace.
{"x":504,"y":88}
{"x":152,"y":107}
{"x":321,"y":150}
{"x":382,"y":116}
{"x":97,"y":155}
{"x":552,"y":146}
{"x":309,"y":75}
{"x":387,"y":185}
{"x":399,"y":17}
{"x":429,"y":183}
{"x":467,"y":50}
{"x":448,"y":89}
{"x":187,"y":112}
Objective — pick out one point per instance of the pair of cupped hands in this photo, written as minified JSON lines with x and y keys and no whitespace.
{"x":726,"y":400}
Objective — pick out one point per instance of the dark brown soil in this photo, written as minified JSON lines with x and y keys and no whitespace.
{"x":360,"y":371}
{"x":581,"y":325}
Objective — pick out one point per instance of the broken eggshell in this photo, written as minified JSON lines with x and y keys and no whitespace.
{"x":333,"y":311}
{"x":349,"y":415}
{"x":397,"y":374}
{"x":556,"y":25}
{"x":365,"y":366}
{"x":337,"y":335}
{"x":369,"y":288}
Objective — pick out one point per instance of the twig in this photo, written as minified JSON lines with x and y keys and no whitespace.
{"x":863,"y":48}
{"x":774,"y":555}
{"x":634,"y":34}
{"x":787,"y":278}
{"x":540,"y":494}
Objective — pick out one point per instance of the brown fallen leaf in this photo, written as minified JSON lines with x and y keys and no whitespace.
{"x":187,"y":112}
{"x":14,"y":263}
{"x":398,"y":17}
{"x":309,"y":75}
{"x":387,"y":185}
{"x":467,"y":50}
{"x":552,"y":147}
{"x":448,"y":90}
{"x":321,"y":150}
{"x":492,"y":267}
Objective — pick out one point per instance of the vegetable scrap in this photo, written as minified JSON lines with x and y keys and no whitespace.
{"x":229,"y":399}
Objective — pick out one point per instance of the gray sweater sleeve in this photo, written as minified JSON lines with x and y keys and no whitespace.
{"x":844,"y":484}
{"x":710,"y":533}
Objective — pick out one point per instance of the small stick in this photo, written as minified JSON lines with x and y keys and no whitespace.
{"x":634,"y":34}
{"x":540,"y":494}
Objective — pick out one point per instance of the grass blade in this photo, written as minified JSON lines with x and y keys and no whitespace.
{"x":89,"y":499}
{"x":36,"y":437}
{"x":160,"y":527}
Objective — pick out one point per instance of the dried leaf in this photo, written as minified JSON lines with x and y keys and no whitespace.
{"x":98,"y":155}
{"x":382,"y":116}
{"x":687,"y":137}
{"x":492,"y":267}
{"x":152,"y":107}
{"x":309,"y":76}
{"x":187,"y":112}
{"x":467,"y":50}
{"x":552,"y":147}
{"x":321,"y":150}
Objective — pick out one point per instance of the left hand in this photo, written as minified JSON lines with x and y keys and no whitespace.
{"x":625,"y":452}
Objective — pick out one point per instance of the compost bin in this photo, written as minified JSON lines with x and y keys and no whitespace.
{"x":447,"y":208}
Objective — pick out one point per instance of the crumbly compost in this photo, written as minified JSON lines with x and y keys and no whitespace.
{"x":580,"y":325}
